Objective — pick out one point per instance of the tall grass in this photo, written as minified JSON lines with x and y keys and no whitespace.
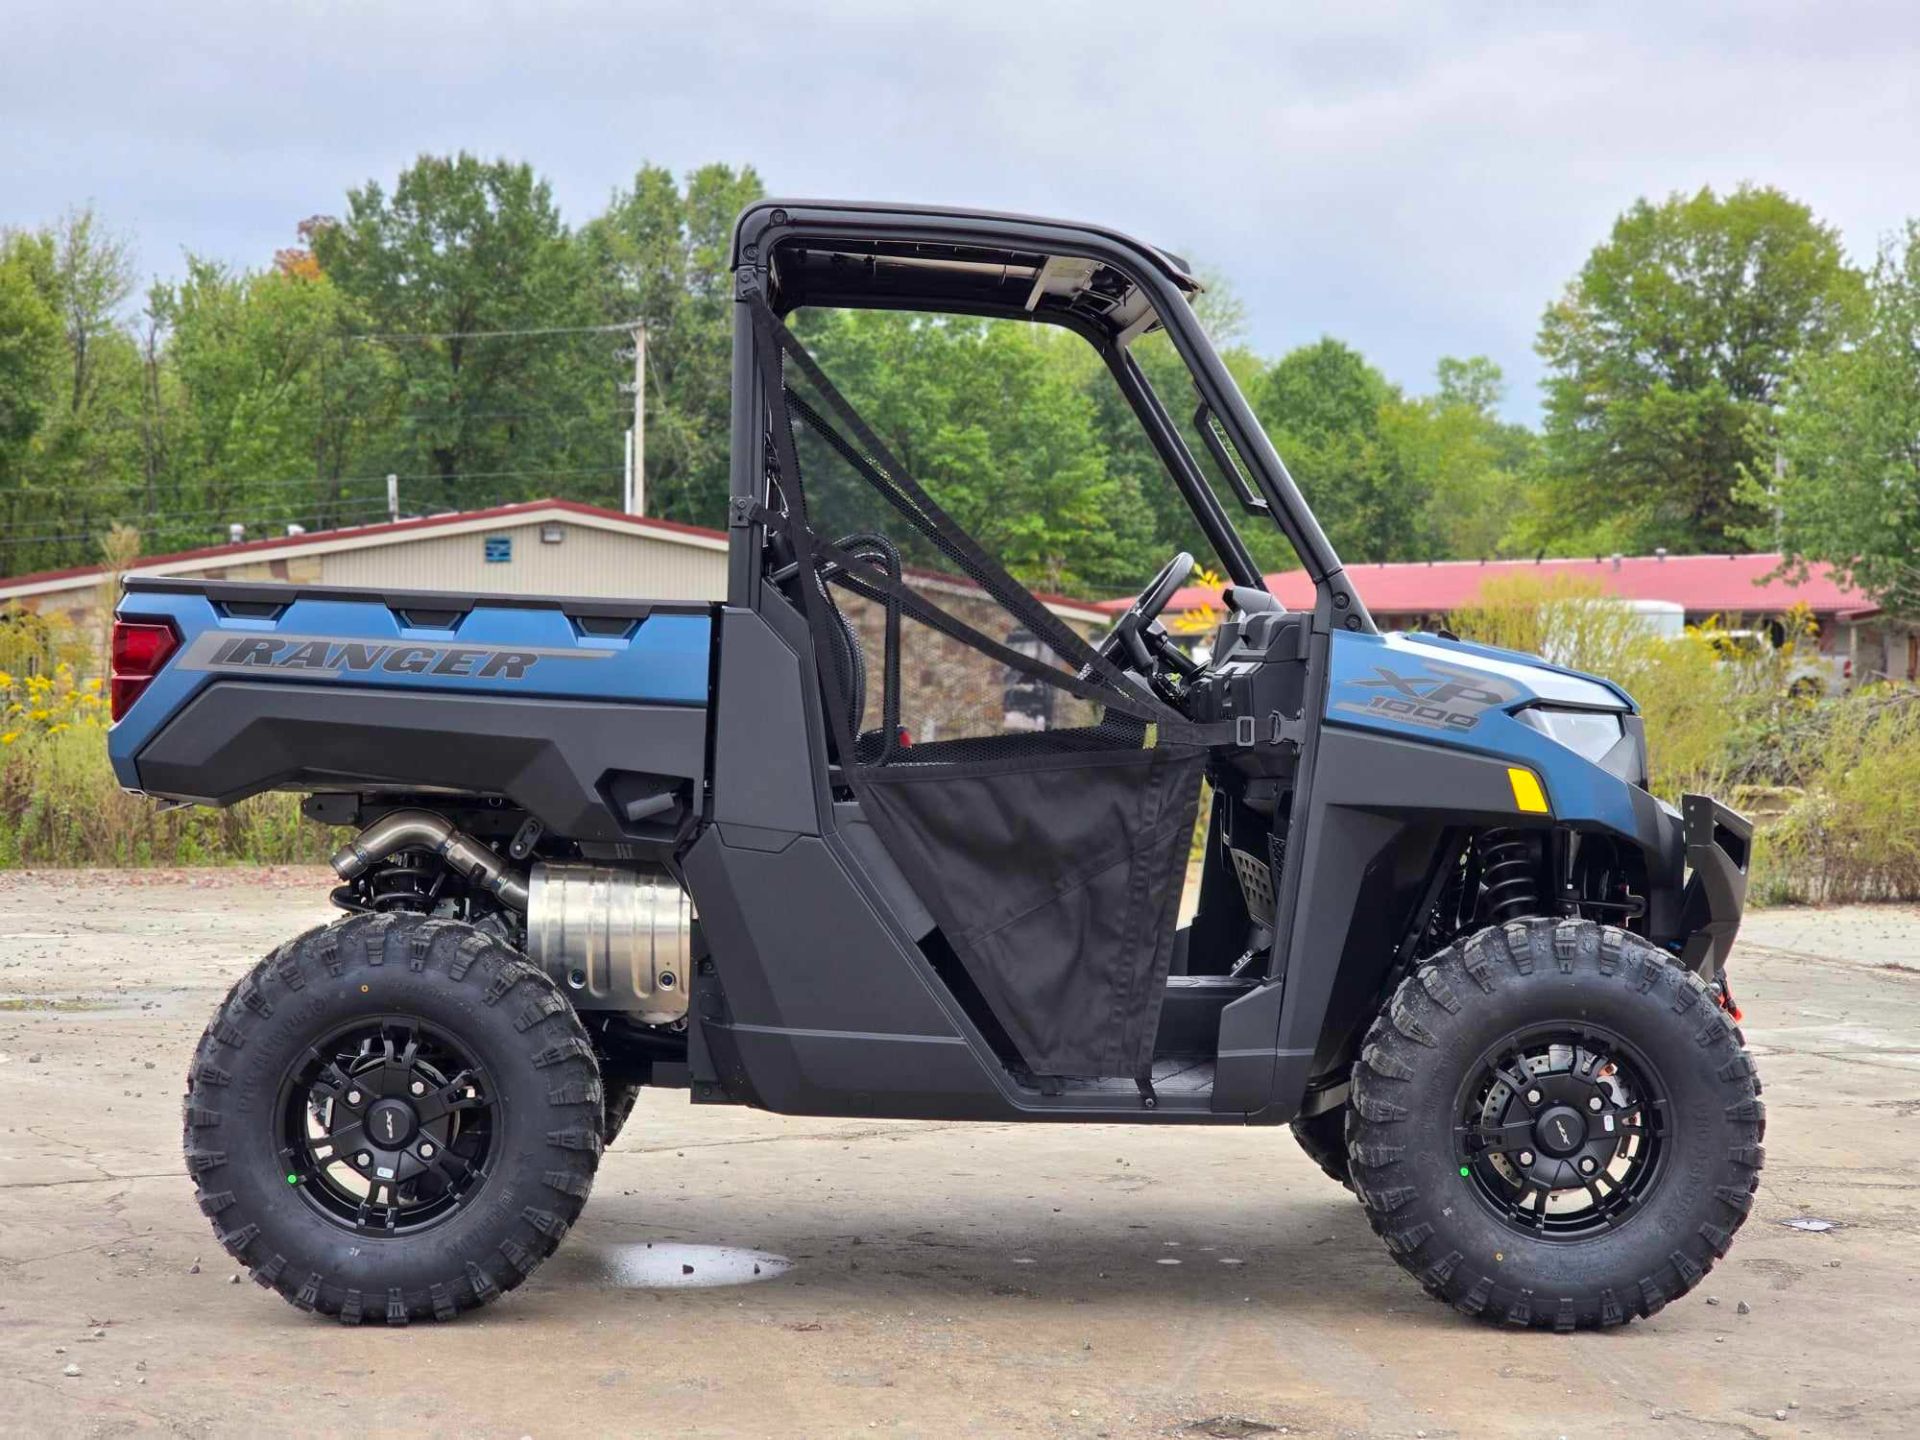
{"x":1705,"y":703}
{"x":1838,"y":781}
{"x":1851,"y":829}
{"x":61,"y":805}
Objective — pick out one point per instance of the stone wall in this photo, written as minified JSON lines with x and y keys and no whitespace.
{"x":948,"y":689}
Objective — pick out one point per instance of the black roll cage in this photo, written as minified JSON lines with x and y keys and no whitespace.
{"x":979,"y":263}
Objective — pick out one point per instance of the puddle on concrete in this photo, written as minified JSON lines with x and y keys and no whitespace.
{"x":669,"y":1265}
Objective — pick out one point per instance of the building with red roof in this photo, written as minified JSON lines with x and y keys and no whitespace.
{"x":537,"y":547}
{"x":1857,"y":640}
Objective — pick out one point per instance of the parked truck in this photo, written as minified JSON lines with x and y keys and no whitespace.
{"x":1443,"y":929}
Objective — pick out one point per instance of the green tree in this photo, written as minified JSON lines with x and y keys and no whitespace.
{"x":1132,"y":460}
{"x":29,"y":351}
{"x":1334,"y":419}
{"x":1475,"y":469}
{"x":659,"y":254}
{"x":1667,"y":348}
{"x":1849,"y":433}
{"x":71,"y":471}
{"x":1475,"y":384}
{"x":92,"y":278}
{"x":453,"y":269}
{"x":992,"y":418}
{"x":262,"y":405}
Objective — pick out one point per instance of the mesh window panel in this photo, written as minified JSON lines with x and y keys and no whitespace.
{"x":946,"y":687}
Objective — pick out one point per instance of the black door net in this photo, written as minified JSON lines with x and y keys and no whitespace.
{"x":1039,"y":799}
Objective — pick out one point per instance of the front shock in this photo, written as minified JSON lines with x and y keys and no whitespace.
{"x":1507,"y":876}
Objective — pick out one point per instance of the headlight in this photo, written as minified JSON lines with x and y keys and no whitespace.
{"x":1590,"y":734}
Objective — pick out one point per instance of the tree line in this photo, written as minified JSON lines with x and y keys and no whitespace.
{"x":1720,"y":376}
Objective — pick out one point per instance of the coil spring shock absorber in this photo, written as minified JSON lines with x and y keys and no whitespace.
{"x":1507,"y":875}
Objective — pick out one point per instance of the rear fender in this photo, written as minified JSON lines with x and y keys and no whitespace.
{"x":539,"y":700}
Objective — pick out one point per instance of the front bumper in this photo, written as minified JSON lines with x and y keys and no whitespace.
{"x":1718,"y":848}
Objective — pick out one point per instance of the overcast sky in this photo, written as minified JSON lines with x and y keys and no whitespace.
{"x":1416,"y":178}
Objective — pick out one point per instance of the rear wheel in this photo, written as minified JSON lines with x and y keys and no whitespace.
{"x":393,"y":1118}
{"x":1555,"y":1125}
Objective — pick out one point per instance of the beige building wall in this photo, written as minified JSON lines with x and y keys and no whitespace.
{"x":586,"y":561}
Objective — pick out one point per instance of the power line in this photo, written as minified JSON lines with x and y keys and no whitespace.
{"x":617,"y":329}
{"x":212,"y":527}
{"x":319,"y":480}
{"x":426,"y":417}
{"x":357,"y":514}
{"x":213,"y":517}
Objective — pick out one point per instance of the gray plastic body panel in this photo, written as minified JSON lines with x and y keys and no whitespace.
{"x":765,"y":755}
{"x":237,"y":738}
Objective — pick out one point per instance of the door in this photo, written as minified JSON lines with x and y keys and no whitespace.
{"x":1040,"y":802}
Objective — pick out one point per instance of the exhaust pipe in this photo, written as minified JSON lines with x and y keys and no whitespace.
{"x":614,"y":939}
{"x":423,"y":830}
{"x":611,"y":939}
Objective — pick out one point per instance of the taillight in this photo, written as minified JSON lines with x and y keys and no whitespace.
{"x":140,"y":650}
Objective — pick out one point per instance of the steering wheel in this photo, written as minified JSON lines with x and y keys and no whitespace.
{"x":1139,"y":633}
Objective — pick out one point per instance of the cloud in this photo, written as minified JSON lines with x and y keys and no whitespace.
{"x":1420,"y":179}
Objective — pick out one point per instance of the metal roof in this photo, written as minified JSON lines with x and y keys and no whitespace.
{"x":1702,"y":584}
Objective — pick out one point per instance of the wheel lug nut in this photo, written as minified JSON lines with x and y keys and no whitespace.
{"x":363,"y":1159}
{"x":1586,"y":1166}
{"x":353,"y":1097}
{"x":419,"y":1087}
{"x":1526,"y":1157}
{"x":1533,"y":1097}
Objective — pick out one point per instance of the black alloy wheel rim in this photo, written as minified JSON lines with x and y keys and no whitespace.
{"x":1562,"y":1131}
{"x":387,"y":1126}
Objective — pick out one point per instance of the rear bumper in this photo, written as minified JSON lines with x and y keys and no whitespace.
{"x":1718,"y":847}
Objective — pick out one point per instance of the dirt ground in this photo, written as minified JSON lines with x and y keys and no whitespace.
{"x":943,"y":1279}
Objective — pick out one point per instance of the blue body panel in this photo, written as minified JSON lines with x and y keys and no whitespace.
{"x":1463,"y":697}
{"x":494,"y":648}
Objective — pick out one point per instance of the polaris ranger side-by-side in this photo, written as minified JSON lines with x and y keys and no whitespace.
{"x":888,"y":834}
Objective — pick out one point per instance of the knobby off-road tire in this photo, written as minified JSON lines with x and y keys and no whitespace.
{"x":1412,"y":1173}
{"x":620,"y":1098}
{"x":1324,"y":1138}
{"x":450,"y":980}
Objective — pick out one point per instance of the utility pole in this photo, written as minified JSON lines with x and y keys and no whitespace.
{"x":636,"y":487}
{"x":393,"y":498}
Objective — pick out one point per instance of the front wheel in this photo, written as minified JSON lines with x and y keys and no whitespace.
{"x":1555,"y":1125}
{"x":1324,"y":1138}
{"x":393,"y":1118}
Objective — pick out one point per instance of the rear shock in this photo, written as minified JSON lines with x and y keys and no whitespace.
{"x":1507,"y":875}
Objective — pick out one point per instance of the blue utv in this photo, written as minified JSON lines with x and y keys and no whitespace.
{"x":886,"y":833}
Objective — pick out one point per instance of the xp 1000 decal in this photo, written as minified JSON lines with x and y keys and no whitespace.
{"x":1436,"y":697}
